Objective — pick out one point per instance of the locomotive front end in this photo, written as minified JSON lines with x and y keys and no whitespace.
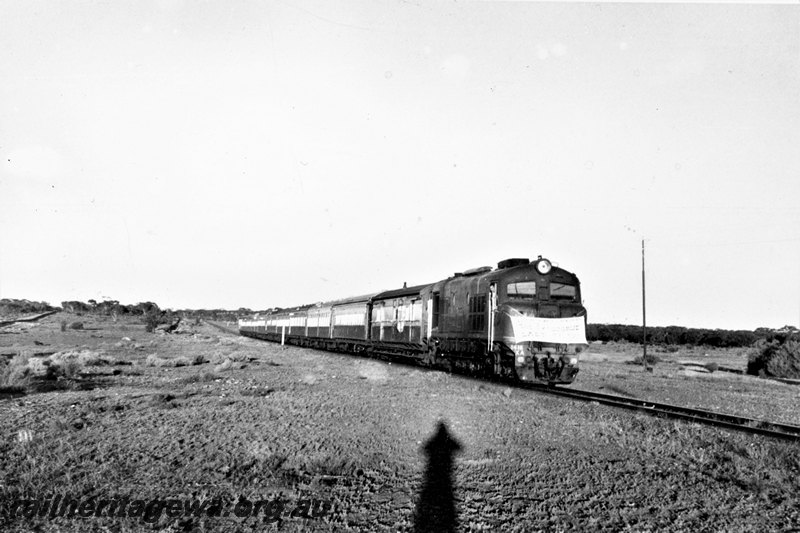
{"x":545,"y":349}
{"x":540,"y":319}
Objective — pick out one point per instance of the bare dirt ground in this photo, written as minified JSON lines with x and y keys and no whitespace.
{"x":263,"y":422}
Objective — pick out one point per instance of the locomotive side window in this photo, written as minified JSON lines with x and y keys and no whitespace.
{"x":521,"y":289}
{"x":435,"y":310}
{"x":562,"y":291}
{"x":477,"y":313}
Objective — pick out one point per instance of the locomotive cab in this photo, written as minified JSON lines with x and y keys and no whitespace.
{"x":541,"y":320}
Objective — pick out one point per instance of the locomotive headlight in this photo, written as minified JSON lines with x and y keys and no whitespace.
{"x":543,"y":266}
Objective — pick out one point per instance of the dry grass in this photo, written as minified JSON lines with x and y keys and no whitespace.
{"x":24,"y":373}
{"x":15,"y":376}
{"x":227,"y":360}
{"x":202,"y":377}
{"x":234,"y":356}
{"x":82,"y":357}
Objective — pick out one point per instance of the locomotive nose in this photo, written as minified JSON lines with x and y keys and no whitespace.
{"x":546,"y":362}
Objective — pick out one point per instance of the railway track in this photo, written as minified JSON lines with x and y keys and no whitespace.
{"x":739,"y":423}
{"x":222,"y":328}
{"x":662,"y":410}
{"x":33,"y":318}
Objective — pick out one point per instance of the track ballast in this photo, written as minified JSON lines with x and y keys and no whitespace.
{"x":739,"y":423}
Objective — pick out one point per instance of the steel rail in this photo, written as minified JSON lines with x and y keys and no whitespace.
{"x":740,"y":423}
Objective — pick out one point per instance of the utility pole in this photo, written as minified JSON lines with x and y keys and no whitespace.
{"x":644,"y":317}
{"x":644,"y":309}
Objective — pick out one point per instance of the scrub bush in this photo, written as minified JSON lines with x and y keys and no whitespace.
{"x":778,"y":357}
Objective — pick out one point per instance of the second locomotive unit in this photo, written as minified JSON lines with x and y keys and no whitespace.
{"x":522,"y":320}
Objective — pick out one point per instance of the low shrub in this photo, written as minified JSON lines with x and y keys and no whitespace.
{"x":199,"y":359}
{"x":82,"y":357}
{"x":154,"y":317}
{"x":15,"y":375}
{"x":667,"y":348}
{"x":223,"y":366}
{"x":67,"y":368}
{"x":155,"y":360}
{"x":237,"y":357}
{"x":202,"y":377}
{"x":151,"y":320}
{"x":19,"y":373}
{"x":163,"y":400}
{"x":779,"y":357}
{"x":652,"y":359}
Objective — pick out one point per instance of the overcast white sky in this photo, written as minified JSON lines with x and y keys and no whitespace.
{"x":227,"y":154}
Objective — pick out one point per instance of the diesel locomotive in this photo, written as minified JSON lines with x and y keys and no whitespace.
{"x":523,"y":320}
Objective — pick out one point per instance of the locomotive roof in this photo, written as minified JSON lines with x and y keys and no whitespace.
{"x":503,"y":273}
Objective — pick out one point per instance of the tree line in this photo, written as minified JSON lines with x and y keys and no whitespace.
{"x":10,"y":306}
{"x":114,"y":308}
{"x":678,"y":335}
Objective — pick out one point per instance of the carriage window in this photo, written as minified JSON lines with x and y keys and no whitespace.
{"x":414,"y":310}
{"x":562,"y":291}
{"x":521,"y":289}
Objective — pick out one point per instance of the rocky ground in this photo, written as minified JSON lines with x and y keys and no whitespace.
{"x":342,"y":440}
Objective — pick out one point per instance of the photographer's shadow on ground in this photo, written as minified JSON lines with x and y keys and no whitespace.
{"x":436,"y":507}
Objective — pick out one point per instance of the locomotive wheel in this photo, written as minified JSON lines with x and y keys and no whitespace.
{"x":430,"y":358}
{"x":448,"y":366}
{"x":487,"y":368}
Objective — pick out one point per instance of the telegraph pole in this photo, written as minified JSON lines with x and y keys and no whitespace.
{"x":644,"y":317}
{"x":644,"y":309}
